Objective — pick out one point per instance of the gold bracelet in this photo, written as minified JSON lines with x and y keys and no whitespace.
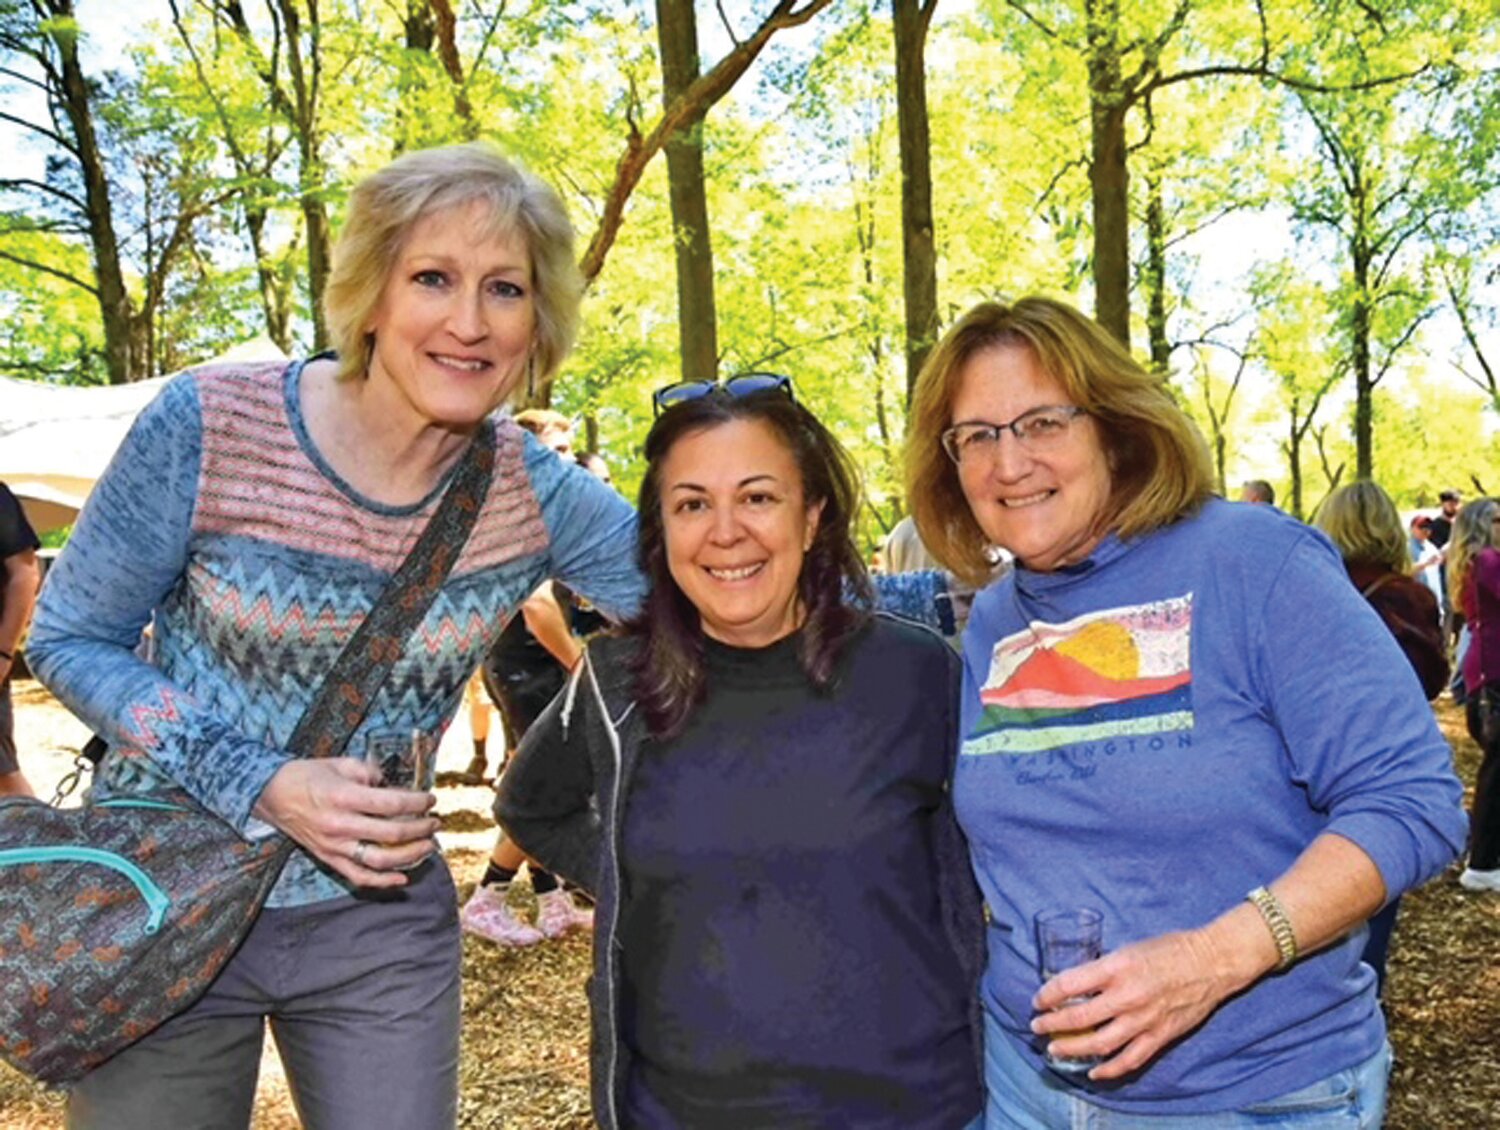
{"x":1278,"y":923}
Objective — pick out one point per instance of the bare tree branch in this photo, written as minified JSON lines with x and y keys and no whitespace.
{"x":1406,"y":335}
{"x":726,"y":22}
{"x":26,"y":79}
{"x":42,"y":186}
{"x":687,"y":108}
{"x":51,"y":135}
{"x":46,"y":270}
{"x":1045,"y":28}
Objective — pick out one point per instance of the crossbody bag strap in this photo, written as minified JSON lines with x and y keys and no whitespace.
{"x":350,"y":686}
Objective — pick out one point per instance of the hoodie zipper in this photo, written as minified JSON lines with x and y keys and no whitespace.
{"x":611,"y":979}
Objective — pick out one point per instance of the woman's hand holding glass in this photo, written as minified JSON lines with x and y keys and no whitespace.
{"x":337,"y":810}
{"x":1135,"y":1001}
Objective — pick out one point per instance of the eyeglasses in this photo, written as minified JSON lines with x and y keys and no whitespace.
{"x":745,"y":384}
{"x":1037,"y":430}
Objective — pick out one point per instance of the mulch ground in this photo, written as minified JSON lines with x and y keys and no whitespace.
{"x":525,"y":1063}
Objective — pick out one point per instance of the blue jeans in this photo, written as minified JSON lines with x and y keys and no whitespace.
{"x":1022,"y":1098}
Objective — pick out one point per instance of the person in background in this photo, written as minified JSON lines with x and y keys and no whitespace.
{"x":521,"y":645}
{"x":1474,"y":571}
{"x":1362,"y":522}
{"x":551,"y":427}
{"x":522,"y":673}
{"x":1146,"y":731}
{"x":1441,"y":530}
{"x":904,"y":552}
{"x":260,"y":511}
{"x":753,"y":779}
{"x":596,"y":465}
{"x":1426,"y":558}
{"x":1442,"y":523}
{"x":1258,"y":492}
{"x":20,"y":574}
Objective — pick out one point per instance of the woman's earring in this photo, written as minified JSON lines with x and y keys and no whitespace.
{"x":530,"y":378}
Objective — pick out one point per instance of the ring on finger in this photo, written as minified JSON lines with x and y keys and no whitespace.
{"x":358,"y":854}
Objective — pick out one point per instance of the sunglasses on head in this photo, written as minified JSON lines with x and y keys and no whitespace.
{"x":746,"y":384}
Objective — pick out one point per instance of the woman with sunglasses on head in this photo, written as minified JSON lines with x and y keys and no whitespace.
{"x":753,"y":780}
{"x":1171,"y":701}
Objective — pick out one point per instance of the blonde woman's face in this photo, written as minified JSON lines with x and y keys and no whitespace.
{"x":455,"y":322}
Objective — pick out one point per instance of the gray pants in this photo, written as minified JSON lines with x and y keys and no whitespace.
{"x":362,"y":995}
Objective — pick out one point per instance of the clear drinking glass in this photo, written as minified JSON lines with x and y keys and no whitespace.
{"x":402,"y":758}
{"x":1065,"y":937}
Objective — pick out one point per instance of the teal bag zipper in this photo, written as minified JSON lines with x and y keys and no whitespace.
{"x":139,"y":802}
{"x":155,"y":898}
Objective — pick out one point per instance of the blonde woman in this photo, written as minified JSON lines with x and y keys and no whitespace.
{"x":259,"y":510}
{"x":1362,"y":522}
{"x":1474,"y":574}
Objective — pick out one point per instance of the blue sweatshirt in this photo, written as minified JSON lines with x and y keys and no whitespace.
{"x":1168,"y":724}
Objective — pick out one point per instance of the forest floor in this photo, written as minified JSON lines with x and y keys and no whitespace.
{"x":525,"y":1062}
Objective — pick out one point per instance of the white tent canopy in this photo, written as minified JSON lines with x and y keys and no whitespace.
{"x":56,"y":440}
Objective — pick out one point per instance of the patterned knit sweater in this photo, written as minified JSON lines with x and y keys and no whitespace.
{"x":219,"y":515}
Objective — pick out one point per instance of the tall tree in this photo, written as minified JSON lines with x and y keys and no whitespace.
{"x":1382,"y":182}
{"x":445,"y":38}
{"x":254,"y":146}
{"x":45,"y":35}
{"x":911,"y":20}
{"x":1217,"y":396}
{"x":1293,"y":326}
{"x":1480,"y":367}
{"x":697,"y":317}
{"x":685,"y":110}
{"x":296,"y":52}
{"x":1126,"y":63}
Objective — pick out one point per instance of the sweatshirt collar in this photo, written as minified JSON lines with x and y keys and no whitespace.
{"x":1035,"y":586}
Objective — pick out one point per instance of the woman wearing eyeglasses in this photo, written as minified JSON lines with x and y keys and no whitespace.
{"x":1172,"y":701}
{"x":753,"y":779}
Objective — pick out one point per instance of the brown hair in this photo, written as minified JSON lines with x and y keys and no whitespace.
{"x":1159,"y":465}
{"x":669,"y":671}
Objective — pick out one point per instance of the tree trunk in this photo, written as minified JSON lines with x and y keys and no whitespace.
{"x":1108,"y":176}
{"x":691,"y":106}
{"x":273,"y":296}
{"x":446,"y":30}
{"x":864,"y":235}
{"x":1294,"y":464}
{"x":910,"y":19}
{"x":114,"y":299}
{"x":306,"y":75}
{"x":697,"y":326}
{"x":1156,"y":278}
{"x":1364,"y":389}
